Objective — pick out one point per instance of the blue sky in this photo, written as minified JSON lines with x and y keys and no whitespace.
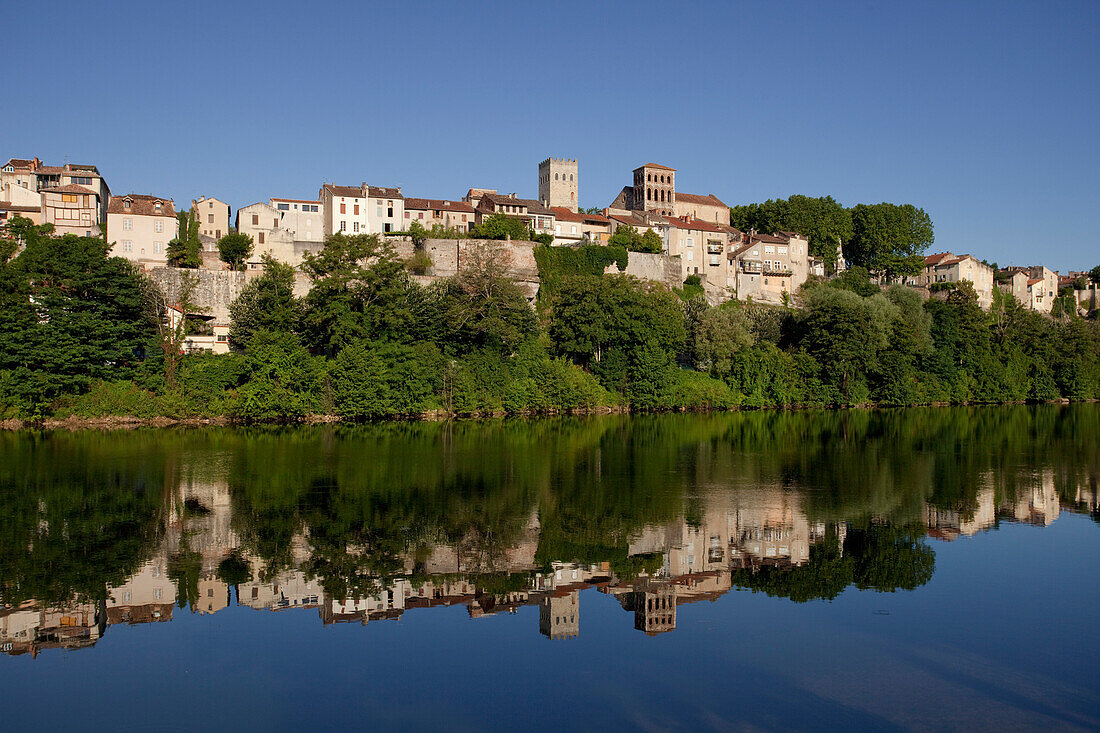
{"x":984,"y":114}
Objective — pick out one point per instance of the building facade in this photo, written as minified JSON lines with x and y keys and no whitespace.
{"x":212,"y":216}
{"x":945,"y":267}
{"x":558,"y":183}
{"x":437,"y":212}
{"x":139,"y":227}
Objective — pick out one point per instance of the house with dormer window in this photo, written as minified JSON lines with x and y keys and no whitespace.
{"x":139,"y":227}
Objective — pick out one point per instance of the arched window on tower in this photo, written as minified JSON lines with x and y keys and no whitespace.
{"x":648,"y":195}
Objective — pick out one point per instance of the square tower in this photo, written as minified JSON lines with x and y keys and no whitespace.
{"x":558,"y":183}
{"x":655,"y":189}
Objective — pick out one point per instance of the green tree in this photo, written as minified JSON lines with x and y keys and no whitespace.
{"x":501,"y":226}
{"x":482,"y":306}
{"x":889,"y":239}
{"x":235,"y":248}
{"x":72,"y":315}
{"x":823,"y":221}
{"x":359,"y":383}
{"x":265,"y":304}
{"x":361,"y":291}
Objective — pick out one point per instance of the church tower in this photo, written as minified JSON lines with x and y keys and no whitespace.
{"x":558,"y":183}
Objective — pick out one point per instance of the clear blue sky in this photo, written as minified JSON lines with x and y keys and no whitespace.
{"x":984,"y":114}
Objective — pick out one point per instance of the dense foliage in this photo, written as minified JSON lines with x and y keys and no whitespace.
{"x":81,"y":336}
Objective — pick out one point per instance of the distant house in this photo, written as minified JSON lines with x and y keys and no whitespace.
{"x":437,"y":212}
{"x":945,"y":267}
{"x":212,"y":215}
{"x":77,"y":200}
{"x":573,"y":228}
{"x":540,"y":219}
{"x":767,"y":266}
{"x":139,"y":227}
{"x":1034,"y":287}
{"x":361,"y":209}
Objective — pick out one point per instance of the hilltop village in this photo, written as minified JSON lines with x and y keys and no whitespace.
{"x":365,"y":303}
{"x":693,"y":234}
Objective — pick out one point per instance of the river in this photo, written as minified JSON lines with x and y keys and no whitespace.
{"x":927,"y":568}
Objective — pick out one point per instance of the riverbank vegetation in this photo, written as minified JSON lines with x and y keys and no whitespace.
{"x":82,"y":335}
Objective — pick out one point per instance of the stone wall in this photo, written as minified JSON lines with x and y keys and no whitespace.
{"x":662,"y":268}
{"x":216,"y":289}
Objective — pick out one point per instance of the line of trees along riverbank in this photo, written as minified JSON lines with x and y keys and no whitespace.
{"x":83,"y":334}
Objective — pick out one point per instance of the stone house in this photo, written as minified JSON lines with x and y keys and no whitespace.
{"x":72,"y":209}
{"x":212,"y":216}
{"x":277,"y":232}
{"x":768,"y":266}
{"x":708,"y":208}
{"x":540,"y":219}
{"x":304,"y":220}
{"x":571,"y":227}
{"x":945,"y":267}
{"x":1034,"y":287}
{"x":23,"y":181}
{"x":344,"y":209}
{"x":139,"y":227}
{"x":437,"y":212}
{"x":558,"y":183}
{"x":385,"y":209}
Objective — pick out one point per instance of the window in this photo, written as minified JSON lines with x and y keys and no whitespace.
{"x":387,"y":227}
{"x":343,"y":208}
{"x":222,"y":338}
{"x":261,"y":238}
{"x":691,"y":256}
{"x":209,"y":218}
{"x":68,"y":198}
{"x":782,"y":250}
{"x":156,"y":594}
{"x":343,"y":225}
{"x":158,"y":247}
{"x":255,"y":220}
{"x":573,"y":229}
{"x":769,"y":249}
{"x":389,"y":211}
{"x":356,"y":212}
{"x":82,"y":180}
{"x":557,"y":228}
{"x":274,"y":223}
{"x":420,"y":215}
{"x":408,"y":215}
{"x":355,"y":226}
{"x":158,"y":226}
{"x":127,"y":245}
{"x":283,"y":207}
{"x":127,"y":224}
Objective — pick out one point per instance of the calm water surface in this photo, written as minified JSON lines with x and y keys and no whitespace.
{"x":912,"y":569}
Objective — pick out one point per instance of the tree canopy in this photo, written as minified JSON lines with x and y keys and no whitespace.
{"x":235,"y":248}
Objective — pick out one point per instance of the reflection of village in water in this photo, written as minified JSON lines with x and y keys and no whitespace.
{"x":677,"y":563}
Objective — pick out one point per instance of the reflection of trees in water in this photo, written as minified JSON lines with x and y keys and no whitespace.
{"x":354,"y":506}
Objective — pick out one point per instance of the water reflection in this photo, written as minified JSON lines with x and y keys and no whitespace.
{"x":655,"y":513}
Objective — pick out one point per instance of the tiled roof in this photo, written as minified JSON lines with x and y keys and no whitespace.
{"x":697,"y":224}
{"x":71,"y":188}
{"x":295,"y":201}
{"x":564,"y":214}
{"x":141,"y":205}
{"x":656,"y":165}
{"x":439,"y":204}
{"x":381,"y":192}
{"x":50,"y":170}
{"x":533,"y":207}
{"x":1035,"y":281}
{"x":768,"y":239}
{"x":690,"y":198}
{"x":8,"y":206}
{"x":346,"y":191}
{"x":19,"y":163}
{"x":935,"y":259}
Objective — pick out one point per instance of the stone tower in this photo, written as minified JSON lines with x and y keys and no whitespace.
{"x":558,"y":183}
{"x":559,"y":616}
{"x":655,"y":189}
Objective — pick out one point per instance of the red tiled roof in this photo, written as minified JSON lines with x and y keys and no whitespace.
{"x":697,"y":224}
{"x":438,"y":204}
{"x":934,"y":259}
{"x":346,"y":191}
{"x":655,"y":165}
{"x":297,"y":201}
{"x":381,"y":192}
{"x":141,"y":205}
{"x":8,"y":206}
{"x":564,"y":214}
{"x":690,"y":198}
{"x":768,"y":239}
{"x":20,"y":163}
{"x":533,"y":207}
